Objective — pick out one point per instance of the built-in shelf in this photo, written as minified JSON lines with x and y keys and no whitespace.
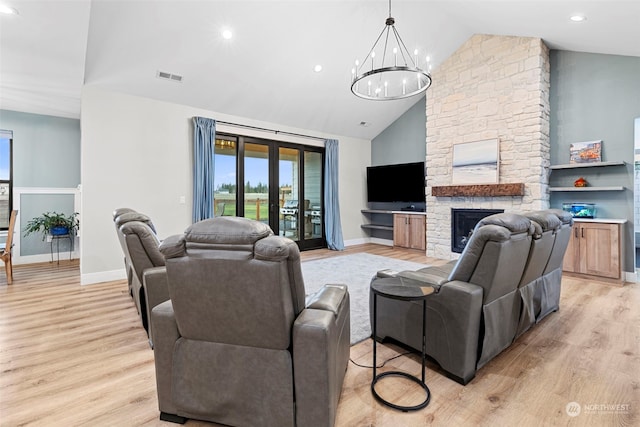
{"x":378,"y":227}
{"x":376,"y":211}
{"x":586,"y":165}
{"x":582,"y":189}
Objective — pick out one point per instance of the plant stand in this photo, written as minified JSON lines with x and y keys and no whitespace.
{"x":57,"y":238}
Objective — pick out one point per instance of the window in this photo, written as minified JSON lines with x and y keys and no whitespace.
{"x":6,"y":184}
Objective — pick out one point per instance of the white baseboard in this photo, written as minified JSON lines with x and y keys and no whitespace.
{"x":362,"y":241}
{"x":102,"y":276}
{"x":631,"y":277}
{"x":354,"y":242}
{"x":385,"y":242}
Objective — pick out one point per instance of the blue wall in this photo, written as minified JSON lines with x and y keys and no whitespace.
{"x":405,"y":140}
{"x":46,"y":153}
{"x":46,"y":149}
{"x":596,"y":97}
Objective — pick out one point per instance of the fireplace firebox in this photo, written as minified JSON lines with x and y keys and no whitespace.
{"x":463,"y":221}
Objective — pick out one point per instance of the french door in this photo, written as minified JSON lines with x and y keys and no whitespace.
{"x":274,"y":182}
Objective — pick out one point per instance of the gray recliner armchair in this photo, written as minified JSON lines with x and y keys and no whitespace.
{"x":143,"y":261}
{"x":475,"y":312}
{"x":237,"y":343}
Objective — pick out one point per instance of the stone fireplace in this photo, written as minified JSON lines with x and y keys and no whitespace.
{"x":463,"y":222}
{"x":492,"y":87}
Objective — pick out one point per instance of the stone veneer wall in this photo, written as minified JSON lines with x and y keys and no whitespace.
{"x":491,"y":87}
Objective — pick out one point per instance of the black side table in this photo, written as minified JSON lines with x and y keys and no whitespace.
{"x":404,"y":293}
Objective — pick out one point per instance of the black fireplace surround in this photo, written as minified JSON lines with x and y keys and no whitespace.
{"x":463,"y":222}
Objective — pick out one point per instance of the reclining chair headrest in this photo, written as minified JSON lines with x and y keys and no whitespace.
{"x":515,"y":223}
{"x":564,"y":216}
{"x":120,"y":211}
{"x":543,"y":221}
{"x":134,"y":216}
{"x":220,"y":233}
{"x":147,"y":238}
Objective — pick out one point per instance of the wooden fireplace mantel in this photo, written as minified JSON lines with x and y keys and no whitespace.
{"x":484,"y":190}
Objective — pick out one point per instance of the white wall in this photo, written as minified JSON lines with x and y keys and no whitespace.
{"x":136,"y":152}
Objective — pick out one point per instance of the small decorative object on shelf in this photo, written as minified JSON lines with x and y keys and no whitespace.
{"x":580,"y":182}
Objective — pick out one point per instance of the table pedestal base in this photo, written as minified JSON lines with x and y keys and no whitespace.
{"x":404,"y":375}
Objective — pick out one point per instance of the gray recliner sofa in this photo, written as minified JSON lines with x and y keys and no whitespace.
{"x":540,"y":283}
{"x":507,"y":278}
{"x":237,"y":343}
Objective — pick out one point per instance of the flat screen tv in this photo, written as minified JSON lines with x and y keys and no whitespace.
{"x":396,"y":183}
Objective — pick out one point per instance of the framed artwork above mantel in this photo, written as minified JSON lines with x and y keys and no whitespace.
{"x":476,"y":162}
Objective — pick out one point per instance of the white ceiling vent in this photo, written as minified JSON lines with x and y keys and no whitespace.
{"x":169,"y":76}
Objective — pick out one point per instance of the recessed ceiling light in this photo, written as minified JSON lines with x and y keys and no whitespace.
{"x":365,"y":124}
{"x":317,"y":68}
{"x":6,"y":10}
{"x":227,"y":34}
{"x":578,"y":18}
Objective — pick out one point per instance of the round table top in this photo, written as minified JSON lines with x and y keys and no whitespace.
{"x":401,"y":292}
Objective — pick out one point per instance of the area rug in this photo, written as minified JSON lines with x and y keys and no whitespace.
{"x":355,"y":271}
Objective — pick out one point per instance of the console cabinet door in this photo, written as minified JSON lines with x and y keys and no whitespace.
{"x":409,"y":231}
{"x":600,"y":250}
{"x":570,"y":262}
{"x":594,"y":249}
{"x":401,"y":230}
{"x":417,"y":232}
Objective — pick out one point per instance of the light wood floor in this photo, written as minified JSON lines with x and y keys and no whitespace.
{"x":77,"y":355}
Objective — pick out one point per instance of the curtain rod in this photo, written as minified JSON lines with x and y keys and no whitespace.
{"x":277,"y":132}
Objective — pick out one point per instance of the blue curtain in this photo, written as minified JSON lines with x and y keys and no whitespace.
{"x":332,"y":225}
{"x":204,"y":139}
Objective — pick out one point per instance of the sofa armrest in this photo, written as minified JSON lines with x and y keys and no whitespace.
{"x":424,"y":278}
{"x":329,"y":298}
{"x":165,"y":334}
{"x":458,"y":310}
{"x":156,"y":286}
{"x":321,"y":343}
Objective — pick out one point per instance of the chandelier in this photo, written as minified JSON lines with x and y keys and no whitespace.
{"x":396,"y":75}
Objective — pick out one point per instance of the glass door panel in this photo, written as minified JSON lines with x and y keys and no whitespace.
{"x":224,"y":181}
{"x":313,"y":195}
{"x":288,"y":192}
{"x":256,"y":182}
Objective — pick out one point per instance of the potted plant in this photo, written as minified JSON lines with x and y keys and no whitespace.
{"x":53,"y":223}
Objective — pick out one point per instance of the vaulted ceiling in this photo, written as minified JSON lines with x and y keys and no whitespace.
{"x":266,"y":70}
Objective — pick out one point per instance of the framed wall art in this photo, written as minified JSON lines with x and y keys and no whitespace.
{"x":476,"y":162}
{"x":585,"y":152}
